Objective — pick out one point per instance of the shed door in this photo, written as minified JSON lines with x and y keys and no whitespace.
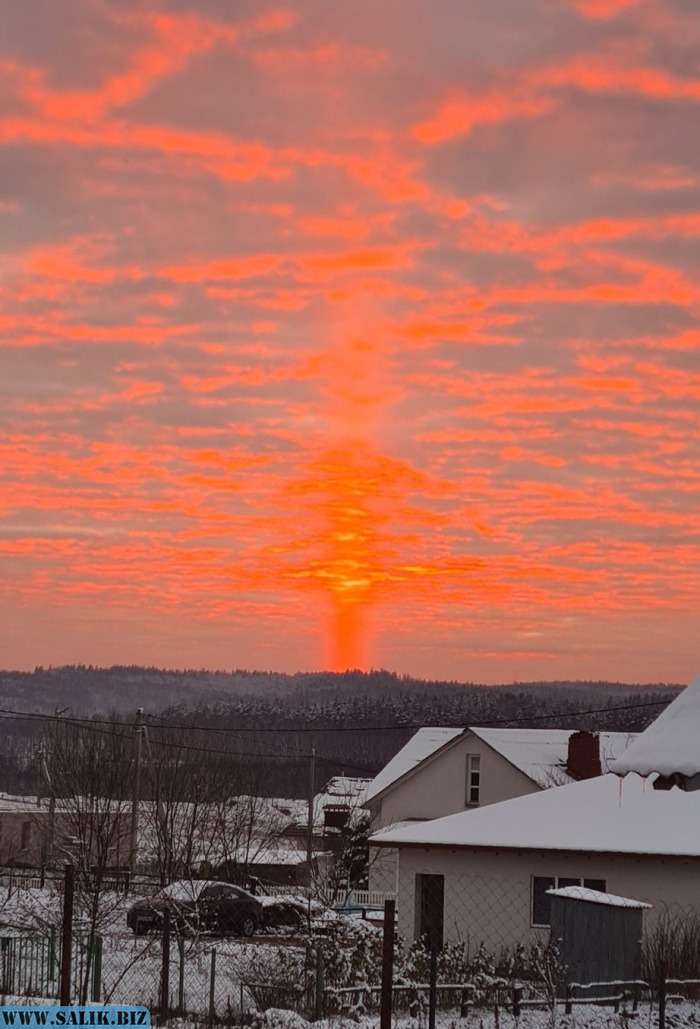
{"x":430,"y":909}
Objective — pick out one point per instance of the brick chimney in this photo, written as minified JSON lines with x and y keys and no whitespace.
{"x":583,"y":759}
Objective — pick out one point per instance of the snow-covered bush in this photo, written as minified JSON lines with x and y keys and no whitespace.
{"x":276,"y":1018}
{"x":352,"y":954}
{"x":275,"y":977}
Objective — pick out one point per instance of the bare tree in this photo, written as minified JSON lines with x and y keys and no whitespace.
{"x":204,"y":811}
{"x":88,"y":772}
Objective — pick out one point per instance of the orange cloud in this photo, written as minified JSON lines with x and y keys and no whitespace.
{"x":603,"y":10}
{"x":460,"y":115}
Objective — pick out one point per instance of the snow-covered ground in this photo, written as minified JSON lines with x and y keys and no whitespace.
{"x":131,"y":973}
{"x":681,"y":1016}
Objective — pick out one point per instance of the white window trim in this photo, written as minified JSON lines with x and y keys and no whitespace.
{"x":468,"y":786}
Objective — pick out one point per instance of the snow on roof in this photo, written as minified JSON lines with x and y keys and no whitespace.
{"x":542,"y":753}
{"x":276,"y":856}
{"x":346,"y":787}
{"x":671,"y":744}
{"x":404,"y":823}
{"x":341,"y":791}
{"x":602,"y":814}
{"x":596,"y":897}
{"x":12,"y":802}
{"x":33,"y":805}
{"x":420,"y":746}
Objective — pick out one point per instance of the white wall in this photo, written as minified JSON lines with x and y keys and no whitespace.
{"x":439,"y":788}
{"x":383,"y":869}
{"x":488,"y":892}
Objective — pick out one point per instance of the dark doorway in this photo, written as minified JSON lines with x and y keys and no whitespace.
{"x":430,"y":909}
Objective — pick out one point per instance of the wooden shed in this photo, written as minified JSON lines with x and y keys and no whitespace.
{"x":599,"y":935}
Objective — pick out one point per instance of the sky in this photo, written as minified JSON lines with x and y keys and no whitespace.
{"x":351,"y":335}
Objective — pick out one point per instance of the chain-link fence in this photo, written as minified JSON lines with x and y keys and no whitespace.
{"x":450,"y":948}
{"x":528,"y":948}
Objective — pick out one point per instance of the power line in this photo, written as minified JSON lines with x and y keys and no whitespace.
{"x":92,"y":725}
{"x":86,"y":723}
{"x":308,"y":729}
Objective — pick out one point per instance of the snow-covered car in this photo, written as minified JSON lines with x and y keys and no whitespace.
{"x":198,"y":905}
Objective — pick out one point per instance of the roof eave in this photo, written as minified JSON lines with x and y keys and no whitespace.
{"x":520,"y":848}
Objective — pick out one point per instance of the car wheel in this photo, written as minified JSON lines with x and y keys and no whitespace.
{"x":248,"y":926}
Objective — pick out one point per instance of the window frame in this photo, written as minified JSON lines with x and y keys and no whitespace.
{"x":472,"y":770}
{"x":570,"y":880}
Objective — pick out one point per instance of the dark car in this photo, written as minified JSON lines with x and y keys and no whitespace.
{"x":198,"y":905}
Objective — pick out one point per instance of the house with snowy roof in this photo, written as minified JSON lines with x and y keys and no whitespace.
{"x":486,"y":875}
{"x":442,"y":771}
{"x":33,"y":835}
{"x":669,"y":748}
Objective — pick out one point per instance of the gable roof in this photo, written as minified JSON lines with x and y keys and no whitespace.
{"x":540,"y":754}
{"x":670,"y":744}
{"x":421,"y":745}
{"x":597,"y":815}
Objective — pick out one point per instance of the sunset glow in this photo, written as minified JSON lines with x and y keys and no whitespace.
{"x":351,"y":335}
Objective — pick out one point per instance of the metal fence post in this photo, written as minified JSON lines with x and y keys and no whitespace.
{"x":517,"y":997}
{"x":67,"y":935}
{"x":387,"y":964}
{"x":165,"y":969}
{"x":181,"y":976}
{"x":97,"y":969}
{"x":432,"y":994}
{"x":52,"y":954}
{"x":320,"y":986}
{"x":212,"y":989}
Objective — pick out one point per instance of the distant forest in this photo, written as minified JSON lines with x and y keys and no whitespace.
{"x":267,"y":723}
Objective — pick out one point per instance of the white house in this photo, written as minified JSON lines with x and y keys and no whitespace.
{"x":442,"y":771}
{"x":669,"y":746}
{"x":484,"y":875}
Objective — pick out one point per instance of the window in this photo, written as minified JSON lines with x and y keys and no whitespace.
{"x":541,"y":901}
{"x":473,"y":780}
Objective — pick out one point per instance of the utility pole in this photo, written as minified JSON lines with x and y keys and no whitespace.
{"x":136,"y":794}
{"x":47,"y":850}
{"x":310,"y":827}
{"x":166,"y":863}
{"x":48,"y":841}
{"x":310,"y":822}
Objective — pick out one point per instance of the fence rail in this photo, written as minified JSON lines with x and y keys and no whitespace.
{"x":20,"y":882}
{"x":367,"y":899}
